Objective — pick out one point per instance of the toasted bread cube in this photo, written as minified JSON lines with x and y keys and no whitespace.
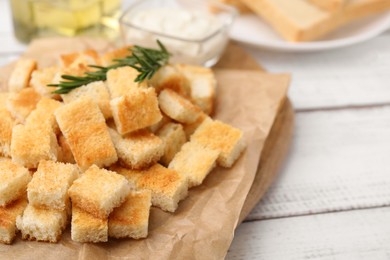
{"x":42,"y":224}
{"x":87,"y":57}
{"x":8,"y":215}
{"x":50,"y":183}
{"x":169,"y":77}
{"x":65,"y":154}
{"x":194,"y":162}
{"x":88,"y":228}
{"x":177,"y":107}
{"x":31,"y":144}
{"x":164,"y":120}
{"x":99,"y":191}
{"x":121,"y":80}
{"x":135,"y":110}
{"x":21,"y":74}
{"x":139,"y":149}
{"x":13,"y":181}
{"x":220,"y":136}
{"x":173,"y":137}
{"x":3,"y":100}
{"x":22,"y":103}
{"x":86,"y":132}
{"x":108,"y":58}
{"x":95,"y":90}
{"x":6,"y":124}
{"x":41,"y":78}
{"x":168,"y":187}
{"x":203,"y":85}
{"x":44,"y":112}
{"x":131,"y":219}
{"x":189,"y":129}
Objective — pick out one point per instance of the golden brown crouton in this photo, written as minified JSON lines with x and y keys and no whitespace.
{"x":50,"y":183}
{"x":13,"y":181}
{"x":177,"y":107}
{"x":164,"y":120}
{"x":139,"y":149}
{"x":108,"y":58}
{"x":41,"y":78}
{"x":3,"y":100}
{"x":173,"y":137}
{"x":189,"y":129}
{"x":222,"y":137}
{"x":168,"y":77}
{"x":87,"y":57}
{"x":86,"y":132}
{"x":194,"y":162}
{"x":21,"y":74}
{"x":131,"y":219}
{"x":135,"y":110}
{"x":8,"y":215}
{"x":22,"y":103}
{"x":121,"y":80}
{"x":99,"y":191}
{"x":65,"y":154}
{"x":44,"y":113}
{"x":88,"y":228}
{"x":6,"y":124}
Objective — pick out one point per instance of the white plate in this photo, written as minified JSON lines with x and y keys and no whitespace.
{"x":253,"y":30}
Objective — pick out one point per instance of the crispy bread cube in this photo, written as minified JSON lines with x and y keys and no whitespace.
{"x":44,"y":112}
{"x":22,"y":103}
{"x":220,"y":136}
{"x":42,"y":224}
{"x":168,"y":187}
{"x":194,"y":162}
{"x":135,"y":110}
{"x":108,"y":58}
{"x":8,"y":215}
{"x":88,"y":228}
{"x":21,"y":74}
{"x":189,"y":129}
{"x":131,"y":219}
{"x":3,"y":100}
{"x":121,"y":80}
{"x":173,"y":137}
{"x":50,"y":183}
{"x":41,"y":78}
{"x":169,"y":77}
{"x":65,"y":154}
{"x":30,"y":144}
{"x":164,"y":120}
{"x":86,"y":132}
{"x":6,"y":124}
{"x":203,"y":85}
{"x":177,"y":107}
{"x":95,"y":90}
{"x":99,"y":191}
{"x":139,"y":149}
{"x":13,"y":181}
{"x":87,"y":57}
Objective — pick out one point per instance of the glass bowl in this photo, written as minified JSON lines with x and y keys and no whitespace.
{"x":194,"y":32}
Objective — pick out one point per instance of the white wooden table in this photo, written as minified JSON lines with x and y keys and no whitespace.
{"x":332,"y":197}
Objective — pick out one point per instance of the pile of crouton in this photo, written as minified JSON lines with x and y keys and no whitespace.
{"x":100,"y":156}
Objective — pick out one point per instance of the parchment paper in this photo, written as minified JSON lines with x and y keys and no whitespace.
{"x":204,"y":224}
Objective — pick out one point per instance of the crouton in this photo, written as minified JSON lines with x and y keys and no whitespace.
{"x":22,"y":103}
{"x":131,"y":219}
{"x":95,"y":90}
{"x":3,"y":100}
{"x":42,"y":224}
{"x":177,"y":107}
{"x":65,"y":154}
{"x":194,"y":162}
{"x":135,"y":110}
{"x":30,"y":144}
{"x":169,"y":77}
{"x":173,"y":137}
{"x":203,"y":85}
{"x":88,"y":228}
{"x":13,"y":181}
{"x":220,"y":136}
{"x":6,"y":124}
{"x":44,"y":112}
{"x":87,"y":57}
{"x":86,"y":132}
{"x":99,"y":191}
{"x":164,"y":120}
{"x":41,"y":78}
{"x":8,"y":215}
{"x":121,"y":80}
{"x":189,"y":129}
{"x":21,"y":74}
{"x":50,"y":183}
{"x":139,"y":149}
{"x":108,"y":58}
{"x":168,"y":187}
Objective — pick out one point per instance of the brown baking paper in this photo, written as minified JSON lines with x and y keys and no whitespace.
{"x":204,"y":224}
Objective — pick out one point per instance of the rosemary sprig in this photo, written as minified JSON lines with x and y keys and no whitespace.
{"x":145,"y":60}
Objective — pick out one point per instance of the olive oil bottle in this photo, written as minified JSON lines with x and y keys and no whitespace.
{"x":39,"y":18}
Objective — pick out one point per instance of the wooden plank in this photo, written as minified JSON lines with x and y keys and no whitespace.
{"x":338,"y":160}
{"x":356,"y":75}
{"x":359,"y":234}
